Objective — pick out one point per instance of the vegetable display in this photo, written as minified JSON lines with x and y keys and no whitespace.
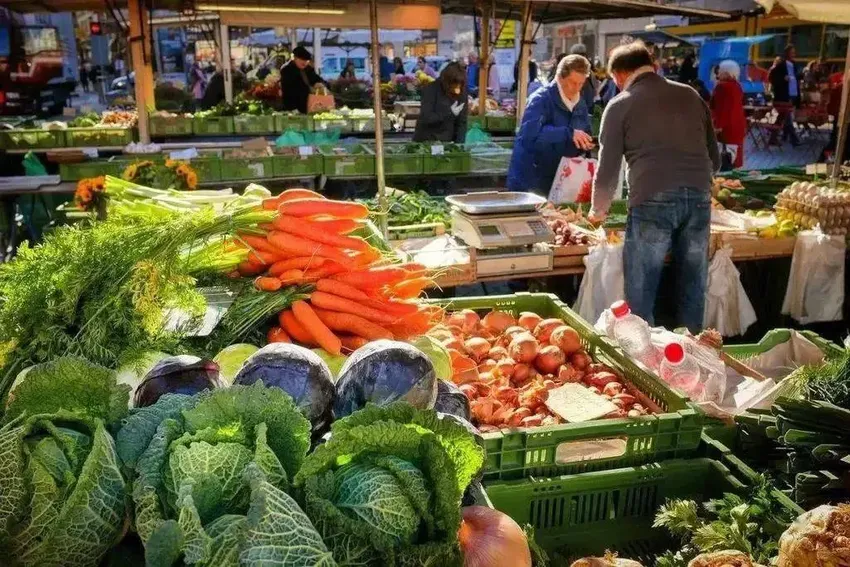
{"x":817,"y":538}
{"x":412,"y":207}
{"x":506,"y":367}
{"x":395,"y":497}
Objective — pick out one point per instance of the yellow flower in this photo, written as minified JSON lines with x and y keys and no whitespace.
{"x":192,"y":180}
{"x":170,"y":163}
{"x":130,"y":172}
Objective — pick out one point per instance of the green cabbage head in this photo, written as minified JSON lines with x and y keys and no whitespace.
{"x":386,"y":488}
{"x":211,"y":473}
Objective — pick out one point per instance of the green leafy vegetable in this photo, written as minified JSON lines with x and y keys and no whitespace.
{"x":211,"y":473}
{"x":386,"y":488}
{"x":62,"y":496}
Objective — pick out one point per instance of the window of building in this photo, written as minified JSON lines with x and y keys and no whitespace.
{"x":775,"y":45}
{"x":835,"y":42}
{"x":807,"y":40}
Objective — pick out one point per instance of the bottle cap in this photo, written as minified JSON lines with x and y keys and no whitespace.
{"x":620,"y":309}
{"x":674,"y":353}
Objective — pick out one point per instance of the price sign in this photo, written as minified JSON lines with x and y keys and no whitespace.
{"x":437,"y":150}
{"x":305,"y":151}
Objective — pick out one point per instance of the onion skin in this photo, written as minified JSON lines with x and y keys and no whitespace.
{"x":529,"y":320}
{"x":544,"y":329}
{"x":489,"y":538}
{"x":549,"y":359}
{"x":477,"y":347}
{"x":498,"y":321}
{"x":567,"y":339}
{"x":523,"y":348}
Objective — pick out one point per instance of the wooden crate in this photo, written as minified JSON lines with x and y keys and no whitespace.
{"x":569,"y":256}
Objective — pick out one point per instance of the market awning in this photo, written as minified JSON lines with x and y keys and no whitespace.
{"x":827,"y":11}
{"x":556,"y":11}
{"x":660,"y":38}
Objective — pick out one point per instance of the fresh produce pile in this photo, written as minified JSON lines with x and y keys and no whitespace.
{"x":508,"y":366}
{"x":127,"y":196}
{"x":110,"y":118}
{"x":197,"y":473}
{"x":410,"y":208}
{"x":808,"y":206}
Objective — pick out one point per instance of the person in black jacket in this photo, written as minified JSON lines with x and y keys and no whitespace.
{"x":444,"y":110}
{"x":297,"y":79}
{"x":785,"y":86}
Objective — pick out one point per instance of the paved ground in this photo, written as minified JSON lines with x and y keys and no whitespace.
{"x":807,"y":152}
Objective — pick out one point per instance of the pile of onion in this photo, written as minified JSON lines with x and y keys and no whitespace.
{"x":489,"y":537}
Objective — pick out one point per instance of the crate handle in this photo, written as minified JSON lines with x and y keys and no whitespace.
{"x":591,"y":450}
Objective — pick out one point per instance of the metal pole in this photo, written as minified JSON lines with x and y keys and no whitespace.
{"x":136,"y":12}
{"x":379,"y":129}
{"x":226,"y":63}
{"x":843,"y":119}
{"x":484,"y":58}
{"x":522,"y":78}
{"x":317,"y":49}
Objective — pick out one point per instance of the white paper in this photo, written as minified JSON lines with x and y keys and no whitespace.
{"x":187,"y":154}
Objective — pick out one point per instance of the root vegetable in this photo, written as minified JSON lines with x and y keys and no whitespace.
{"x":568,"y":374}
{"x":532,"y":421}
{"x":523,"y":348}
{"x":469,"y":390}
{"x":477,"y":347}
{"x":505,"y":367}
{"x":497,"y":353}
{"x":600,"y":380}
{"x":489,"y":537}
{"x":529,"y":320}
{"x":567,"y":339}
{"x":454,"y":344}
{"x":487,"y":365}
{"x":625,"y":401}
{"x":612,"y":388}
{"x":549,"y":359}
{"x":498,"y":321}
{"x":466,"y":320}
{"x":543,"y":330}
{"x":520,"y":374}
{"x":580,"y":360}
{"x":634,"y":413}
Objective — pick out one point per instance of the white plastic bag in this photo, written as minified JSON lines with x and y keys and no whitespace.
{"x":816,"y":284}
{"x":603,"y":282}
{"x":573,"y":181}
{"x":727,"y":307}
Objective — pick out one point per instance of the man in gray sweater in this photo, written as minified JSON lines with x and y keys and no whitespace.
{"x":665,"y":132}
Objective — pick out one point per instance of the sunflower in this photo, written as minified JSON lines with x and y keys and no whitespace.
{"x":192,"y":180}
{"x":170,"y":163}
{"x":130,"y":172}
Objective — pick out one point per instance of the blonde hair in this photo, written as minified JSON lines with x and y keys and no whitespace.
{"x":730,"y":68}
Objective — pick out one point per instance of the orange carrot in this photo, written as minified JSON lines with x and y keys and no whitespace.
{"x":331,"y":302}
{"x":249,"y":268}
{"x":291,"y":277}
{"x":397,"y":308}
{"x":298,"y":246}
{"x":271,"y":203}
{"x":314,"y":231}
{"x":294,"y":329}
{"x":313,"y":325}
{"x":277,"y":335}
{"x":374,"y":277}
{"x":257,"y":242}
{"x":292,"y":194}
{"x":301,"y":263}
{"x":338,"y":226}
{"x":367,"y":257}
{"x":349,"y":323}
{"x":267,"y":284}
{"x":310,"y":207}
{"x":350,"y":343}
{"x":341,"y":289}
{"x":266,"y":258}
{"x":327,"y":269}
{"x":409,"y":289}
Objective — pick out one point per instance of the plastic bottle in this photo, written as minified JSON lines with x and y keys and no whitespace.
{"x":681,"y":371}
{"x":633,"y":335}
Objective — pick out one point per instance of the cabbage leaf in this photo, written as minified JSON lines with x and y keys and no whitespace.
{"x":211,"y":477}
{"x":386,"y":488}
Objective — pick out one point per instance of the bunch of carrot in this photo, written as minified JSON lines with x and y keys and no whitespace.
{"x":356,"y":297}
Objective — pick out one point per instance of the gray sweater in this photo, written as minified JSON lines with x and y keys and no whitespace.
{"x":665,"y":132}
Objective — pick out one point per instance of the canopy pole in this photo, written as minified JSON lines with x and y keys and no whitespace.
{"x":524,"y":55}
{"x":226,"y":63}
{"x":843,"y":120}
{"x":317,"y":49}
{"x":140,"y":58}
{"x":484,"y":58}
{"x":379,"y":127}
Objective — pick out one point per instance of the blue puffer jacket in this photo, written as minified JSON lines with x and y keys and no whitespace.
{"x":545,"y":136}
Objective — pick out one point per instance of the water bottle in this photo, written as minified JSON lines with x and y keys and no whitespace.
{"x":681,"y":371}
{"x":633,"y":335}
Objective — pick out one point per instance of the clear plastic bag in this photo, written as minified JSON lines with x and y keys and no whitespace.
{"x":603,"y":282}
{"x":727,"y":307}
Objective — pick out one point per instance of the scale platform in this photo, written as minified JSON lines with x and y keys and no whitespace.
{"x":514,"y":260}
{"x":499,"y":219}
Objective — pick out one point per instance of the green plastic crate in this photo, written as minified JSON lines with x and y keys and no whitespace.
{"x":31,"y":139}
{"x":212,"y":125}
{"x":447,"y":163}
{"x":475,"y":120}
{"x":776,"y":337}
{"x":299,"y":122}
{"x":98,"y":137}
{"x":398,"y":161}
{"x":208,"y":168}
{"x":358,"y":162}
{"x":367,"y":124}
{"x":235,"y":169}
{"x":489,"y":158}
{"x":324,"y":124}
{"x":294,"y":165}
{"x":595,"y":445}
{"x":250,"y":124}
{"x":591,"y":513}
{"x":91,"y":168}
{"x":162,"y":126}
{"x":500,"y":123}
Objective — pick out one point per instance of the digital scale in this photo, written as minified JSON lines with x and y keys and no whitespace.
{"x":505,"y":229}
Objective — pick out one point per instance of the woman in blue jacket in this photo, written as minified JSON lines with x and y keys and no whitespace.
{"x":556,"y":124}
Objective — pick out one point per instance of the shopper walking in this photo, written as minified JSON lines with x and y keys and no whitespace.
{"x":84,"y":77}
{"x":727,"y":109}
{"x":443,"y":112}
{"x":785,"y":85}
{"x":473,"y":68}
{"x":664,"y":131}
{"x":555,"y":124}
{"x":297,"y":79}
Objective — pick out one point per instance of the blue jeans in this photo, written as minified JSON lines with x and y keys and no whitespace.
{"x":677,"y":222}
